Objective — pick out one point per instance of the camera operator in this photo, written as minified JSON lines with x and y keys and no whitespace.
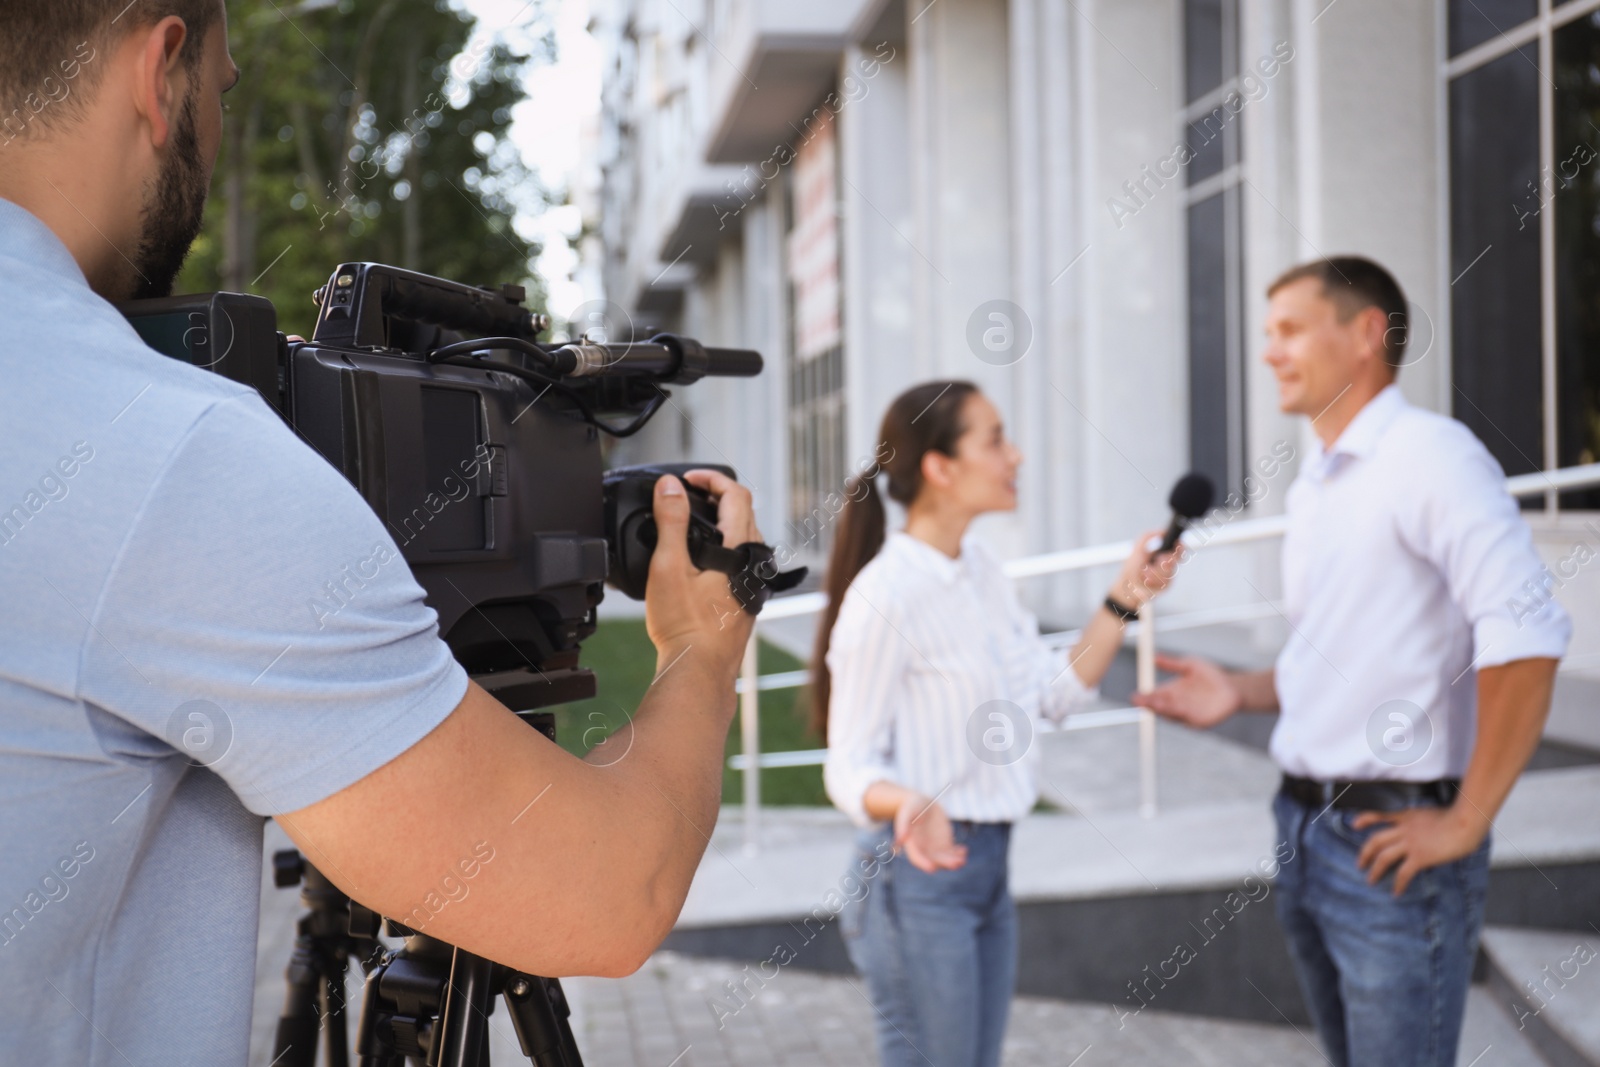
{"x":169,"y":674}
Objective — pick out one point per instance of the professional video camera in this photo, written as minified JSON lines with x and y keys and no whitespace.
{"x":481,"y":454}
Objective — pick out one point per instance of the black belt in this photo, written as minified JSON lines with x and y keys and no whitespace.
{"x":1371,"y":796}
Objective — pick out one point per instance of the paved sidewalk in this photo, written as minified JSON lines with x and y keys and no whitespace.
{"x":667,"y":1015}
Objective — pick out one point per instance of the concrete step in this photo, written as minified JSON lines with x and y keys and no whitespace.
{"x":1103,"y":893}
{"x":1549,"y":985}
{"x":1489,"y":1037}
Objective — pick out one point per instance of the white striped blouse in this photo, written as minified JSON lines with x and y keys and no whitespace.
{"x":939,"y":679}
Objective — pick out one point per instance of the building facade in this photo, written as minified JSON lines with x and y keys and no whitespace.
{"x":1079,"y":205}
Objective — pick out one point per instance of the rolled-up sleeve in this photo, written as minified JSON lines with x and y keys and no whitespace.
{"x":1469,"y":527}
{"x":866,"y":658}
{"x":1062,"y":691}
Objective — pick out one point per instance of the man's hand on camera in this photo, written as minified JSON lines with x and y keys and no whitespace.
{"x":689,"y":608}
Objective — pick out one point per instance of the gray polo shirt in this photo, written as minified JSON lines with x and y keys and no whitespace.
{"x":171,"y":672}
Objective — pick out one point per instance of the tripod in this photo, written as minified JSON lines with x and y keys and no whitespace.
{"x":426,"y":1002}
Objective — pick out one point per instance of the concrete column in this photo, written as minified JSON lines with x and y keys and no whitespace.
{"x":1046,"y":225}
{"x":766,"y":398}
{"x":1131,"y":412}
{"x":1371,"y":175}
{"x":1273,"y":166}
{"x":960,"y":157}
{"x":875,"y":221}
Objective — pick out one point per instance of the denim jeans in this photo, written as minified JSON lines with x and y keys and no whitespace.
{"x":1385,"y":978}
{"x":938,"y":951}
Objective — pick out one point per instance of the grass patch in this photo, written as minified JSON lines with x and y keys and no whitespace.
{"x":624,"y":661}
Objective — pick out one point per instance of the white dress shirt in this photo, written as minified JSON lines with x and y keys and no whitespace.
{"x":939,"y":679}
{"x":1404,"y":571}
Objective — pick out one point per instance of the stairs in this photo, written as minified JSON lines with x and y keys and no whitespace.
{"x":1545,"y":985}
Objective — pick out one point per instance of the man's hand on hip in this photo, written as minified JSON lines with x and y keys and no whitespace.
{"x":1415,"y":839}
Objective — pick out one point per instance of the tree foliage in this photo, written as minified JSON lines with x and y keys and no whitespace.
{"x":368,"y":130}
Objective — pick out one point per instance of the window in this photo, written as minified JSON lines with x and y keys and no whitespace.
{"x":1524,"y":99}
{"x":1215,"y":218}
{"x":816,"y":366}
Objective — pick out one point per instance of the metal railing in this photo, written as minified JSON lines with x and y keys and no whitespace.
{"x":751,"y":684}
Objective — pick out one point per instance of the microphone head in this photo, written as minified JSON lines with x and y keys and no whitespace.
{"x":1192,"y":496}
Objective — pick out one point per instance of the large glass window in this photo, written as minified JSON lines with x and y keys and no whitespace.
{"x":1215,"y":220}
{"x":1525,"y":230}
{"x":1576,"y":177}
{"x":1472,"y":22}
{"x":1494,"y":257}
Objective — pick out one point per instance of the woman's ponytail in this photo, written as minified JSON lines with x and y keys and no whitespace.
{"x":863,"y":525}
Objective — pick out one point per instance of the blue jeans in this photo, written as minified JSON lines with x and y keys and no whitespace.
{"x":938,"y":951}
{"x":1385,"y":979}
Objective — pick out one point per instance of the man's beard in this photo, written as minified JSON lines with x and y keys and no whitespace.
{"x":174,"y":214}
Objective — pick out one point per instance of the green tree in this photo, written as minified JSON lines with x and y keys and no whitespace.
{"x":369,"y":130}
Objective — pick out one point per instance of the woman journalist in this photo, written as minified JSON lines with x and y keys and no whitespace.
{"x":930,"y":679}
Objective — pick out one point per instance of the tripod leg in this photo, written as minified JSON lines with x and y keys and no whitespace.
{"x":563,"y":1010}
{"x":539,"y":1011}
{"x":463,"y":1036}
{"x":334,"y":1021}
{"x":370,"y":1050}
{"x":296,"y":1041}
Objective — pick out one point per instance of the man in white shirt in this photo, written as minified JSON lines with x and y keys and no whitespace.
{"x":1412,"y":690}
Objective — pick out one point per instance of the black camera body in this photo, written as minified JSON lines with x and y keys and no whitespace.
{"x":482,"y":457}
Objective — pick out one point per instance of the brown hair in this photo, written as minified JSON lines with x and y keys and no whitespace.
{"x":1355,"y":283}
{"x":52,"y":52}
{"x":924,"y":418}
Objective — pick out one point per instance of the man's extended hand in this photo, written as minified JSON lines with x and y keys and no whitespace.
{"x":1201,"y":695}
{"x":1416,"y":839}
{"x":685,"y":607}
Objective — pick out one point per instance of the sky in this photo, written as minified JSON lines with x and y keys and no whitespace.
{"x":546,"y":128}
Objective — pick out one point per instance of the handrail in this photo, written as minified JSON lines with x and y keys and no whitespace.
{"x":1202,"y":534}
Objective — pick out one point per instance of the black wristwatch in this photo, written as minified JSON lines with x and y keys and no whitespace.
{"x":1121,"y":610}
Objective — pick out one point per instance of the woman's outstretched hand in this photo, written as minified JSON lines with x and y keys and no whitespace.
{"x":923,"y":831}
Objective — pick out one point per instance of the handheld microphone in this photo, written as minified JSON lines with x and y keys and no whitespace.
{"x":1190,"y":499}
